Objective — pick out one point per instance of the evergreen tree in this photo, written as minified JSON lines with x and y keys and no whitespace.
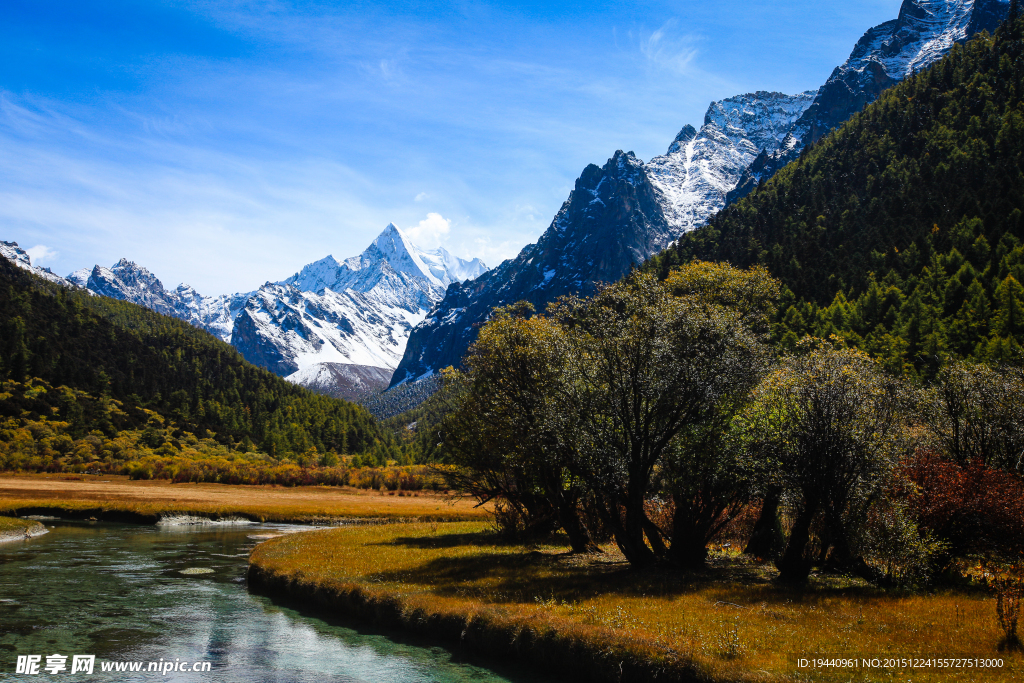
{"x":897,"y":232}
{"x":1009,"y":317}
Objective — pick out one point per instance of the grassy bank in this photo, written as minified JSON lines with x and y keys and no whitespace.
{"x":114,"y":498}
{"x":594,"y":619}
{"x":11,"y":528}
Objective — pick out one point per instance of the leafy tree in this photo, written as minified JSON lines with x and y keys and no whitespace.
{"x":705,"y":474}
{"x":506,"y":417}
{"x":651,"y":374}
{"x":828,"y":426}
{"x":976,"y":413}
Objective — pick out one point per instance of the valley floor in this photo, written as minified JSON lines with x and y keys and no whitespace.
{"x":117,"y":498}
{"x":592,"y":618}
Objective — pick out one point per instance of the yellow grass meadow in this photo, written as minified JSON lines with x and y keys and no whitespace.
{"x":64,"y":494}
{"x":18,"y":526}
{"x":728,"y":623}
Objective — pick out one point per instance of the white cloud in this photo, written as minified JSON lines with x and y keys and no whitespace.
{"x":40,"y":254}
{"x":668,"y":52}
{"x":431,"y":231}
{"x":421,"y":196}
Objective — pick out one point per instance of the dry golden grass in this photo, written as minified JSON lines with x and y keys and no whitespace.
{"x":9,"y":525}
{"x":732,"y":622}
{"x":71,"y":493}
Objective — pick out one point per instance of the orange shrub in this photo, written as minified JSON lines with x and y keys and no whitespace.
{"x":974,"y":508}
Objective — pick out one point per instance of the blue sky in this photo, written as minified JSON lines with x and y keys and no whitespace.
{"x":228,"y":143}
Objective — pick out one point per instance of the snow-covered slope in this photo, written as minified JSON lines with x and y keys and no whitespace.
{"x":744,"y":141}
{"x":286,"y":330}
{"x":922,"y":34}
{"x":358,"y":312}
{"x":701,"y":167}
{"x":350,"y":382}
{"x":19,"y":257}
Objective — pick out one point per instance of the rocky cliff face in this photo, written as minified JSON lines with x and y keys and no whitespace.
{"x":612,"y":220}
{"x":922,"y":34}
{"x":744,"y":140}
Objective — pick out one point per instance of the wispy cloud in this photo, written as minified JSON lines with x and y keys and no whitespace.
{"x":668,"y":48}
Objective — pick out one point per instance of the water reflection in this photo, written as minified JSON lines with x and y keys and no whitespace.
{"x":130,"y":593}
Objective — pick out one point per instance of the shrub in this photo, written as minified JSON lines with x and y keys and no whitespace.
{"x":973,"y":508}
{"x":895,"y":546}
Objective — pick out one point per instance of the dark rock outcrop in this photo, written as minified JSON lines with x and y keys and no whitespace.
{"x":611,"y":221}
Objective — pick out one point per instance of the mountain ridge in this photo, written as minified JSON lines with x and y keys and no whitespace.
{"x":744,"y":141}
{"x":356,"y":313}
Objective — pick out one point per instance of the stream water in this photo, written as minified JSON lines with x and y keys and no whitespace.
{"x":177,"y":595}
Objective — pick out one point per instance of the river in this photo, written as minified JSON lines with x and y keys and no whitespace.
{"x":177,"y":595}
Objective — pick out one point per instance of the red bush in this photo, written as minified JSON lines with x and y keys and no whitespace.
{"x":975,"y":508}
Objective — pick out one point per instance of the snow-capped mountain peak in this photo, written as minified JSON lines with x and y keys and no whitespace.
{"x":19,"y":257}
{"x":391,"y":261}
{"x":318,"y":275}
{"x":395,"y":248}
{"x":685,"y":135}
{"x":700,"y":168}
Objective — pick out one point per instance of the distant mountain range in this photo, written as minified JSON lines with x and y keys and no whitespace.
{"x":398,"y":313}
{"x":642,"y":208}
{"x":339,"y":328}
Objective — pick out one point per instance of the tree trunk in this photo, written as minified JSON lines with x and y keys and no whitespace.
{"x":689,"y":536}
{"x":579,"y":538}
{"x":632,"y":542}
{"x":794,"y":567}
{"x":654,"y":537}
{"x":767,"y":539}
{"x":567,"y":514}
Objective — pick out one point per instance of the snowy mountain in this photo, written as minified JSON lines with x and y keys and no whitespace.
{"x":128,"y":281}
{"x":19,"y":257}
{"x":744,"y":140}
{"x":923,"y":33}
{"x":337,"y":327}
{"x":611,"y":220}
{"x":700,"y":168}
{"x":358,"y":312}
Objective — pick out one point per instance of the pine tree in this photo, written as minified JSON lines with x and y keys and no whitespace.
{"x":1010,"y":308}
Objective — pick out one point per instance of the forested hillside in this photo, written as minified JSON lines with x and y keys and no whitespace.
{"x":98,"y":366}
{"x":901,"y":231}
